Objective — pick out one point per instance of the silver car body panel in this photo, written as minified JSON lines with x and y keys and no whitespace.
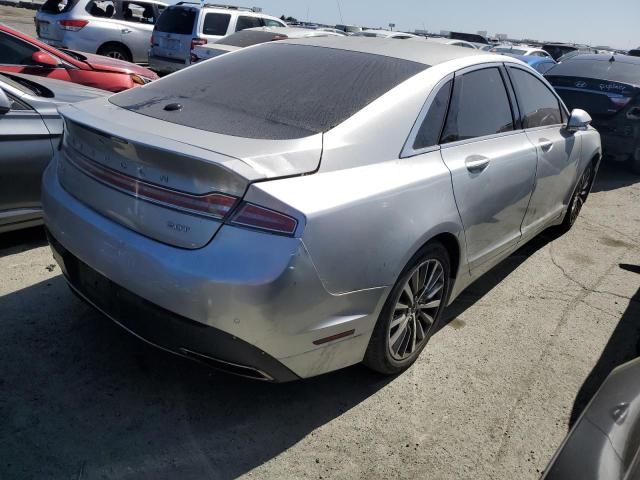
{"x":364,"y":210}
{"x":604,"y":444}
{"x":28,"y":137}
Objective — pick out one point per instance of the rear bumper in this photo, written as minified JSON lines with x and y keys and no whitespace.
{"x":165,"y":329}
{"x":620,"y":140}
{"x":165,"y":64}
{"x":259,"y":289}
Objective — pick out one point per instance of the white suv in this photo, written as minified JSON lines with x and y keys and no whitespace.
{"x":184,"y":26}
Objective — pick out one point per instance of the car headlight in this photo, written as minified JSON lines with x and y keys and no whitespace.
{"x":140,"y":80}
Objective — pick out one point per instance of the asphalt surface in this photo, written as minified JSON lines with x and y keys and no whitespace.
{"x":492,"y":396}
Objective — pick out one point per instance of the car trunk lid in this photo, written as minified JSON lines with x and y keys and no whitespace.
{"x":174,"y":185}
{"x":600,"y":98}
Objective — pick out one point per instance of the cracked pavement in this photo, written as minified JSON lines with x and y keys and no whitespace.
{"x":492,"y":396}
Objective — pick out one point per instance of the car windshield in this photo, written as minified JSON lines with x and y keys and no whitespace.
{"x":27,"y":86}
{"x":271,"y":91}
{"x":74,"y":54}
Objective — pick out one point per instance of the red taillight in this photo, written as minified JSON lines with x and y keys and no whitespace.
{"x":195,"y":42}
{"x":216,"y":205}
{"x":620,"y":102}
{"x":73,"y":25}
{"x":254,"y":216}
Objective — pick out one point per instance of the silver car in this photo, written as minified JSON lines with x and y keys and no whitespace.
{"x":30,"y":130}
{"x":115,"y":28}
{"x":299,"y":206}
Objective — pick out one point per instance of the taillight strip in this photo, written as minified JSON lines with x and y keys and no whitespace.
{"x":215,"y":205}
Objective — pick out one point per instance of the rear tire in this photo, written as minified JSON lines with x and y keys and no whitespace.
{"x":579,"y":197}
{"x":412,"y":311}
{"x":115,"y":50}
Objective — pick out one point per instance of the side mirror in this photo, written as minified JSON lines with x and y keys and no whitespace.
{"x":5,"y":103}
{"x":578,"y":120}
{"x":44,"y":59}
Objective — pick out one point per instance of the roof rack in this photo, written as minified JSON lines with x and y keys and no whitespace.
{"x":220,"y":5}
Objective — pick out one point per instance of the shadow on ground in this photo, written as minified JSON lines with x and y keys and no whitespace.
{"x":623,"y":346}
{"x":21,"y":240}
{"x":612,"y":176}
{"x":83,"y":399}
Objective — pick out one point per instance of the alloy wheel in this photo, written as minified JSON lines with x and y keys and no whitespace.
{"x":416,"y":309}
{"x":582,"y":192}
{"x":115,"y":54}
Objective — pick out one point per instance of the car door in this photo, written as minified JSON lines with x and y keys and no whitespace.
{"x":492,"y":162}
{"x":137,"y":21}
{"x":26,"y":150}
{"x":558,"y":150}
{"x":15,"y":56}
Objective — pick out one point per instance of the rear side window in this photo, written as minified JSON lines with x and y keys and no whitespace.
{"x":101,"y":9}
{"x":14,"y":51}
{"x":138,"y":12}
{"x":271,"y":91}
{"x":538,"y":105}
{"x":479,"y":106}
{"x":271,"y":23}
{"x":247,"y":22}
{"x":216,"y":24}
{"x":57,"y":6}
{"x":429,"y":133}
{"x":177,"y":20}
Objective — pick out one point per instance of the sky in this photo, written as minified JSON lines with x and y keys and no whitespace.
{"x":585,"y":21}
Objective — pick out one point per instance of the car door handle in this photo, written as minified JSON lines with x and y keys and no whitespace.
{"x":125,"y":30}
{"x":546,"y":146}
{"x":476,"y":163}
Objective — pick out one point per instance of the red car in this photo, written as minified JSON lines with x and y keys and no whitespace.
{"x":20,"y":53}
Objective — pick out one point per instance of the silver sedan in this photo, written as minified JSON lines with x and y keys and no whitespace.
{"x":30,"y":130}
{"x":300,"y":206}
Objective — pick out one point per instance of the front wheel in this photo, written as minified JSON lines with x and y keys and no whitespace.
{"x":411,"y":312}
{"x":580,"y":194}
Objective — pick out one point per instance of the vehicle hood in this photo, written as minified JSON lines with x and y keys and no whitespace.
{"x":107,"y":64}
{"x":65,"y":92}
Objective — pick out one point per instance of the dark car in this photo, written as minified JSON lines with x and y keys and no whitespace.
{"x":607,"y":87}
{"x":557,"y":50}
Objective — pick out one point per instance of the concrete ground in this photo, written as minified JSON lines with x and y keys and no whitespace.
{"x":492,"y":397}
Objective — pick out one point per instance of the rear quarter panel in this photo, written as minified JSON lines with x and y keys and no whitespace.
{"x":367,"y":210}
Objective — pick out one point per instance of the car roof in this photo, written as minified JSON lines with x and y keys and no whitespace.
{"x":414,"y":50}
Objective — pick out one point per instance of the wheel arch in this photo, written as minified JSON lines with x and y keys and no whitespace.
{"x":114,"y":43}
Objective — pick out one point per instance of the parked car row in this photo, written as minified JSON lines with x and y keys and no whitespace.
{"x":201,"y":211}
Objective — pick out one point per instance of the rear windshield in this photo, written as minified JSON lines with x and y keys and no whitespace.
{"x":57,"y":6}
{"x":247,"y":38}
{"x":177,"y":20}
{"x":602,"y":69}
{"x":271,"y":91}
